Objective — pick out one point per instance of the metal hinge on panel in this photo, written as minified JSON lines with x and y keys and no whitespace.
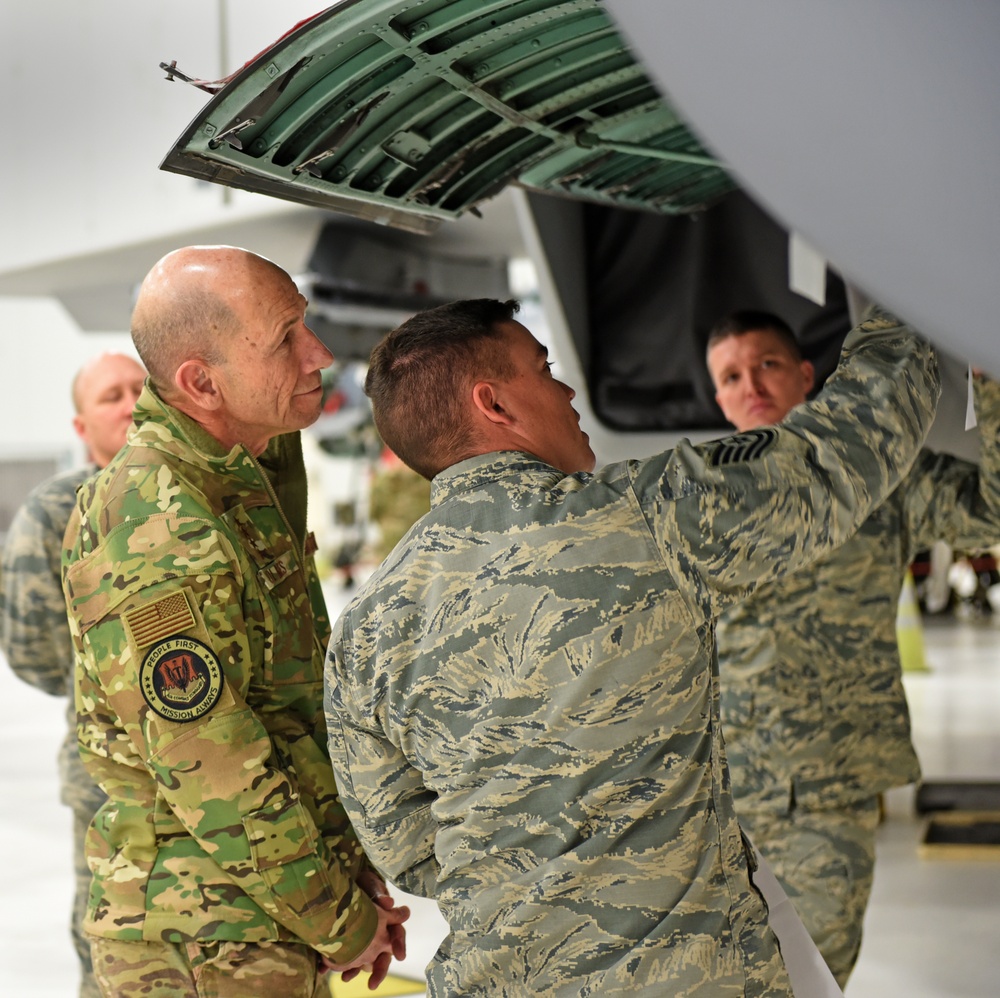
{"x":250,"y":114}
{"x":231,"y":135}
{"x":342,"y":132}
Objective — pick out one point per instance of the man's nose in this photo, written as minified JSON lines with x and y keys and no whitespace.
{"x":319,"y":356}
{"x":570,"y":392}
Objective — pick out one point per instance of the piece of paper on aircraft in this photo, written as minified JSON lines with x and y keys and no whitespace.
{"x":970,"y":405}
{"x":806,"y":270}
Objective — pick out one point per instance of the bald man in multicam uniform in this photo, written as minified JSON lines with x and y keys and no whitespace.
{"x":34,"y":632}
{"x":813,"y":708}
{"x":522,"y":700}
{"x":223,"y":861}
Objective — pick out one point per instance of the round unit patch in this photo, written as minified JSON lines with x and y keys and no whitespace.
{"x":181,"y":679}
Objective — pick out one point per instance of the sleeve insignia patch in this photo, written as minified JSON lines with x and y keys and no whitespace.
{"x":154,"y":621}
{"x":743,"y":447}
{"x":181,"y":679}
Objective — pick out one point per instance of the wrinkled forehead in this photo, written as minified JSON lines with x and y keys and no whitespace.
{"x":263,"y":292}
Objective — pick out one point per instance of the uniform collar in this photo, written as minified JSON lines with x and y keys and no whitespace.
{"x":162,"y":427}
{"x":485,"y":469}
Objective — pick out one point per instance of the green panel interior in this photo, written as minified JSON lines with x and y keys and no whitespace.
{"x":414,"y":112}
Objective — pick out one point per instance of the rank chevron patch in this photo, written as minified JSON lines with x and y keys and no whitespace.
{"x":743,"y":447}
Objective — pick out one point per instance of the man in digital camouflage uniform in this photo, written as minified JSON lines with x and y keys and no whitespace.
{"x":223,"y":861}
{"x":34,"y":632}
{"x":522,"y":701}
{"x":813,"y":709}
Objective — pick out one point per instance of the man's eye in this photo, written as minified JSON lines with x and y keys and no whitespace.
{"x":548,"y":366}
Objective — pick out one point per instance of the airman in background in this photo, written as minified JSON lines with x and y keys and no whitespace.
{"x":399,"y":497}
{"x":813,"y":708}
{"x":34,"y":631}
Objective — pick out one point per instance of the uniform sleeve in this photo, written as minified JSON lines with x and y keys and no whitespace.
{"x":225,"y":779}
{"x":384,"y":795}
{"x":950,"y":499}
{"x":33,"y":625}
{"x":747,"y":509}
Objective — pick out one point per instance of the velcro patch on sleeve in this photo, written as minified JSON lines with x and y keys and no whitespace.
{"x":743,"y":447}
{"x":152,"y":622}
{"x":181,"y":679}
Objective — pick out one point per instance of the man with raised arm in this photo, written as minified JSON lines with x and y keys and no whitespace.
{"x":523,"y":701}
{"x":813,"y":708}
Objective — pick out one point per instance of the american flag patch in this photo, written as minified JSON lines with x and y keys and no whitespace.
{"x":159,"y":619}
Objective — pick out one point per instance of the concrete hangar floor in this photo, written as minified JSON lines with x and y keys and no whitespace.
{"x":931,"y":931}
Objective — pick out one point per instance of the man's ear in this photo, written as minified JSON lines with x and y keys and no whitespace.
{"x":809,"y":376}
{"x":486,"y":398}
{"x":195,"y":380}
{"x":718,"y":402}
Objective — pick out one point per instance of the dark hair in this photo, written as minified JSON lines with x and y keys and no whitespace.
{"x":751,"y":321}
{"x":420,"y":374}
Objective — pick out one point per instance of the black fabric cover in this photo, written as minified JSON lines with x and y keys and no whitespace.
{"x":657,"y":285}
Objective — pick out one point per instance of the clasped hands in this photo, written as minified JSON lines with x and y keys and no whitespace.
{"x":388,"y":943}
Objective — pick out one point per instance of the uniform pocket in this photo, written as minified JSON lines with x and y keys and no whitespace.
{"x":275,"y":830}
{"x":286,"y":609}
{"x":283,"y":852}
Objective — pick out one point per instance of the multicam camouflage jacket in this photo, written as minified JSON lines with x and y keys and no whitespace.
{"x":524,"y":707}
{"x":399,"y":497}
{"x":813,"y":708}
{"x":34,"y":632}
{"x":200,"y":629}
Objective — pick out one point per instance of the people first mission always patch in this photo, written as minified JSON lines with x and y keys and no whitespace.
{"x":181,"y":679}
